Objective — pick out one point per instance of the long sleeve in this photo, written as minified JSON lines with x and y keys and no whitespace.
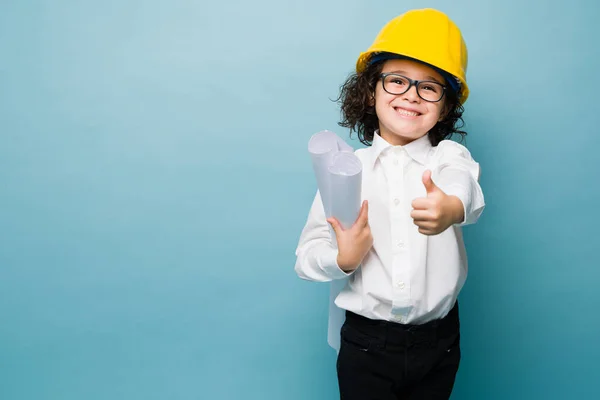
{"x":316,"y":255}
{"x":457,"y":174}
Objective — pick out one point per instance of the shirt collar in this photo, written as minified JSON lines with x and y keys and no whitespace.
{"x":417,"y":149}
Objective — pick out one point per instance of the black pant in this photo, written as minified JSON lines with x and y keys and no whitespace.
{"x":381,"y":360}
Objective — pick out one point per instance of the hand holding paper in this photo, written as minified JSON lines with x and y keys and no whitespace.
{"x":353,"y":243}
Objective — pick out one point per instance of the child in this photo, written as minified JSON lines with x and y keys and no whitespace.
{"x":404,"y":255}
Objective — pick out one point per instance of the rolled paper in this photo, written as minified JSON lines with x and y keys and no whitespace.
{"x":345,"y":186}
{"x":339,"y":180}
{"x":323,"y":146}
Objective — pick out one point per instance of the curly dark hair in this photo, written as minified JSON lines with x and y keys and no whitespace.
{"x":357,"y":106}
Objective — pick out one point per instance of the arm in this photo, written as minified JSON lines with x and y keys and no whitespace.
{"x":457,"y":175}
{"x":455,"y":198}
{"x":316,"y":255}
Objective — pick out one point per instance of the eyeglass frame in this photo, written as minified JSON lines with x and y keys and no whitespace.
{"x":411,"y":83}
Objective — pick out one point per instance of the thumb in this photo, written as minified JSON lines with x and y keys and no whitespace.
{"x":430,"y":187}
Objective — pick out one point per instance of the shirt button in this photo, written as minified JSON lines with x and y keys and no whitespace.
{"x":401,"y":244}
{"x":396,"y":162}
{"x":396,"y":201}
{"x":400,"y":285}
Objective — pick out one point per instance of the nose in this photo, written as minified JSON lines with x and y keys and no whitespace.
{"x":411,"y":94}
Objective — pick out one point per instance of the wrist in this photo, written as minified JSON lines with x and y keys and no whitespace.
{"x":457,"y":210}
{"x":345,"y":266}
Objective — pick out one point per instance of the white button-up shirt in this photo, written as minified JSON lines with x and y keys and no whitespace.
{"x":406,"y":277}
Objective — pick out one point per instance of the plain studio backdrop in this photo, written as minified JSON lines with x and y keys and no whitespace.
{"x":154,"y":180}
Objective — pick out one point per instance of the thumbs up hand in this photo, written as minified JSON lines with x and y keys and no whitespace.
{"x":436,"y":212}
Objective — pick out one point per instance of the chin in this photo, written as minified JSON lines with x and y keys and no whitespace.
{"x":410,"y":136}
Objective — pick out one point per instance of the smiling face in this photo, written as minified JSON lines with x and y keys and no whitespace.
{"x":407,"y":117}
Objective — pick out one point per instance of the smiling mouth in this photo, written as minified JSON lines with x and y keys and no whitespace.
{"x":406,"y":113}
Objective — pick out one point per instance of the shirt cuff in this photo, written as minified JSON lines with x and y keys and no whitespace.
{"x":328,"y":262}
{"x":472,"y":203}
{"x":464,"y":197}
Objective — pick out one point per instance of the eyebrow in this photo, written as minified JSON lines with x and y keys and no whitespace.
{"x":428,"y":77}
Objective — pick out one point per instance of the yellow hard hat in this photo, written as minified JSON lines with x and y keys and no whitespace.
{"x":426,"y":35}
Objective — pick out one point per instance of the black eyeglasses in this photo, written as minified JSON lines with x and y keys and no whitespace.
{"x":396,"y":84}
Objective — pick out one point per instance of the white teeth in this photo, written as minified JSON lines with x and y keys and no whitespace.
{"x":407,"y":113}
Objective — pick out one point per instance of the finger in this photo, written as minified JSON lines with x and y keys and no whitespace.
{"x":420,"y":215}
{"x":428,"y":230}
{"x":335,"y":224}
{"x":363,"y":216}
{"x":425,"y":223}
{"x":430,"y":187}
{"x":421,"y":203}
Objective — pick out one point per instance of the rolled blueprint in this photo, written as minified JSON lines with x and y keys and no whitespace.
{"x":339,"y":179}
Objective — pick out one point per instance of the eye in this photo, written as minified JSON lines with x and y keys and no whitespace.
{"x":398,"y":81}
{"x":431,"y":87}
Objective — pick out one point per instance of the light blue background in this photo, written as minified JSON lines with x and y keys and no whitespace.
{"x":154,"y":181}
